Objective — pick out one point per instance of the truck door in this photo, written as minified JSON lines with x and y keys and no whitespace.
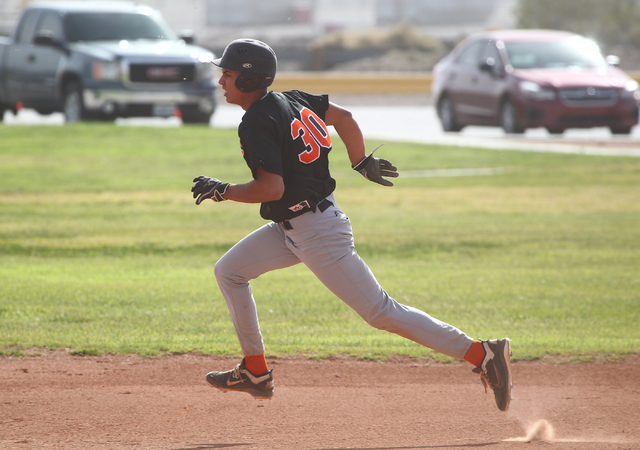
{"x":18,"y":58}
{"x":45,"y":61}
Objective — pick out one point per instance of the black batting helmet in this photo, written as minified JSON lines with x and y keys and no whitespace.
{"x":255,"y":59}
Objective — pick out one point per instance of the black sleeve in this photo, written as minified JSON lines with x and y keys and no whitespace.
{"x":260,"y":147}
{"x":318,"y":103}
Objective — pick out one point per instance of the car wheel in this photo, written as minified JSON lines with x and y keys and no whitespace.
{"x":620,"y":130}
{"x":73,"y":106}
{"x":555,"y":130}
{"x":509,"y":118}
{"x":447,"y":115}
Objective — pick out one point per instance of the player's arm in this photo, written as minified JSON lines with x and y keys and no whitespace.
{"x":266,"y":187}
{"x":371,"y":168}
{"x":349,"y":131}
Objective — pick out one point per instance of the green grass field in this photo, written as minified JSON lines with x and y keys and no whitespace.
{"x":103,"y":250}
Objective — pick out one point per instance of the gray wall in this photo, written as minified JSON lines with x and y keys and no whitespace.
{"x":434,"y":12}
{"x":418,"y":12}
{"x":249,"y":12}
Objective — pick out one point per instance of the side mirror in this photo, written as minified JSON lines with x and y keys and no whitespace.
{"x":613,"y":60}
{"x":487,"y":67}
{"x":46,"y":39}
{"x":187,"y":36}
{"x":491,"y":67}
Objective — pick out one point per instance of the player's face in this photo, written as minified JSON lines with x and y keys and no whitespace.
{"x":228,"y":83}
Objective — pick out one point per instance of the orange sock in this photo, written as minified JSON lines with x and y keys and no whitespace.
{"x":476,"y":353}
{"x":257,"y":365}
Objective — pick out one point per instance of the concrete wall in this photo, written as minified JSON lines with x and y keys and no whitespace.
{"x":340,"y":14}
{"x":434,"y":12}
{"x":9,"y":11}
{"x":204,"y":16}
{"x":350,"y":13}
{"x":251,"y":12}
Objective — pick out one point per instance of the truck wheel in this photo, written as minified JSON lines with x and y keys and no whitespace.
{"x":193,"y":114}
{"x":195,"y":117}
{"x":73,"y":106}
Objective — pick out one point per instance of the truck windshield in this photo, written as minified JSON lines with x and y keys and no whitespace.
{"x":572,"y":52}
{"x":115,"y":26}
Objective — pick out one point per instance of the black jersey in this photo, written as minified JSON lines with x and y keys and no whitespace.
{"x":285,"y":133}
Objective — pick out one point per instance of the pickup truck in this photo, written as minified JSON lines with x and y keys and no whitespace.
{"x":103,"y":60}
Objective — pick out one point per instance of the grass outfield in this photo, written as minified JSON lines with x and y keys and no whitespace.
{"x":103,"y":250}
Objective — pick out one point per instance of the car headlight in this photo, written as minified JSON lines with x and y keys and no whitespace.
{"x":205,"y":67}
{"x":631,"y":90}
{"x":106,"y":70}
{"x":205,"y":71}
{"x":535,"y":91}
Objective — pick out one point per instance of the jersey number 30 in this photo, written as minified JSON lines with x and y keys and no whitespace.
{"x":314,"y":134}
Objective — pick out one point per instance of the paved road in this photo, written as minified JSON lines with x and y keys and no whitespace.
{"x":414,"y":123}
{"x":420,"y":124}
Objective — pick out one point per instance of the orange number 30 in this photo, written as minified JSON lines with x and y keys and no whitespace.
{"x":314,"y":134}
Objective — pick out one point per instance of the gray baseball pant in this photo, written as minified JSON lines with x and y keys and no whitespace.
{"x":323,"y":241}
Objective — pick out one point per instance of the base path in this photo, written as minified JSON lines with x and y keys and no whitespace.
{"x":58,"y":401}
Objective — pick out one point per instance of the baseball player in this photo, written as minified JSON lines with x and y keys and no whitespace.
{"x":286,"y":144}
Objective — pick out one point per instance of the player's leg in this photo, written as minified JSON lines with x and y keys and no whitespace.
{"x":261,"y":251}
{"x":326,"y":246}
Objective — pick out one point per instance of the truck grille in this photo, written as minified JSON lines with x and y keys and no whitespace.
{"x":589,"y":96}
{"x":162,"y":73}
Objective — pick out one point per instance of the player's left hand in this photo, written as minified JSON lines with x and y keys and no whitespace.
{"x":207,"y":187}
{"x":373,"y":169}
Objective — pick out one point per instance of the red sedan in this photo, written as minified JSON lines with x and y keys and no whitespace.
{"x":520,"y":79}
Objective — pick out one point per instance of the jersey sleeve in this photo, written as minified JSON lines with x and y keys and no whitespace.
{"x":318,"y":103}
{"x":260,"y":147}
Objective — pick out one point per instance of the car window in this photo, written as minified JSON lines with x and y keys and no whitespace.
{"x":572,"y":52}
{"x":52,"y":25}
{"x":27,"y":27}
{"x":115,"y":26}
{"x":469,"y":56}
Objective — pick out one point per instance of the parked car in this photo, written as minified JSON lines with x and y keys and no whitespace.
{"x":102,"y":60}
{"x":520,"y":79}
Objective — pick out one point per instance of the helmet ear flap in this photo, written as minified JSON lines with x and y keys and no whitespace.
{"x":246,"y":84}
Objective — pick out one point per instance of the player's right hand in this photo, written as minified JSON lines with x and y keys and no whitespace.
{"x":207,"y":187}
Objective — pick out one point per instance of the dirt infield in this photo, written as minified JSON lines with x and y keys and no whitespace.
{"x":57,"y":401}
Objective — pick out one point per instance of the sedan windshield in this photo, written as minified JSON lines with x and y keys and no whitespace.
{"x":115,"y":26}
{"x":572,"y":52}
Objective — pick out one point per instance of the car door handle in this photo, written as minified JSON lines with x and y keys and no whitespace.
{"x":32,"y":58}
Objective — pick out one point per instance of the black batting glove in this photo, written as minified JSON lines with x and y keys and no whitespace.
{"x":207,"y":187}
{"x":373,"y":169}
